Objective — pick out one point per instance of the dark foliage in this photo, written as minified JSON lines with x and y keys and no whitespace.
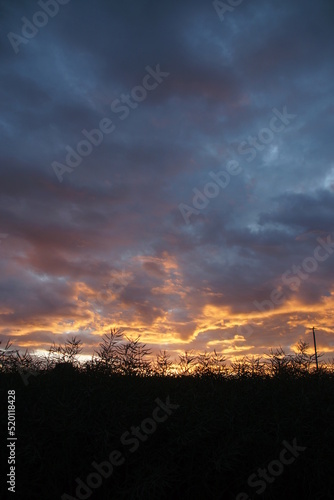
{"x":229,"y":424}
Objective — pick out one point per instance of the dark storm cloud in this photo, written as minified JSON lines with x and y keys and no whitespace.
{"x":117,"y":213}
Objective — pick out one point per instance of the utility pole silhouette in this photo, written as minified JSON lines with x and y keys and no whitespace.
{"x":315,"y":347}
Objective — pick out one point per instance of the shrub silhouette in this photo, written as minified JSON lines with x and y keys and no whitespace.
{"x":231,"y":421}
{"x":249,"y":366}
{"x":187,"y":363}
{"x":65,"y":354}
{"x":107,"y":358}
{"x":119,"y":355}
{"x":133,"y":354}
{"x":163,"y":364}
{"x":210,"y":364}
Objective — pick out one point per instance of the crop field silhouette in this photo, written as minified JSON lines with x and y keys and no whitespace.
{"x":125,"y":427}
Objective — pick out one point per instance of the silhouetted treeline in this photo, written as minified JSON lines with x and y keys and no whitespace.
{"x":255,"y":429}
{"x":119,"y":355}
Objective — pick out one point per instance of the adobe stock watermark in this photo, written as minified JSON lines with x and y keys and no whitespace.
{"x":211,"y":190}
{"x":222,"y":179}
{"x":263,"y":477}
{"x":40,"y":19}
{"x":293,"y":278}
{"x":121,"y":107}
{"x":266,"y":134}
{"x":222,"y":7}
{"x":26,"y":373}
{"x":129,"y":439}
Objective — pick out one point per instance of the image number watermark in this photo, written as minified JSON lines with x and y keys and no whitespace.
{"x":11,"y":442}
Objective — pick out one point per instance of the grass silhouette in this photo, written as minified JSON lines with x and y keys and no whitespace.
{"x":231,"y":421}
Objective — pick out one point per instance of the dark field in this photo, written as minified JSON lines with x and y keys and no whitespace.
{"x":223,"y":431}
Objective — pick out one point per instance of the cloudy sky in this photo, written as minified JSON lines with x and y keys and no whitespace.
{"x":167,"y":168}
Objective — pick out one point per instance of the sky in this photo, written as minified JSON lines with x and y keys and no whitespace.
{"x":167,"y":168}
